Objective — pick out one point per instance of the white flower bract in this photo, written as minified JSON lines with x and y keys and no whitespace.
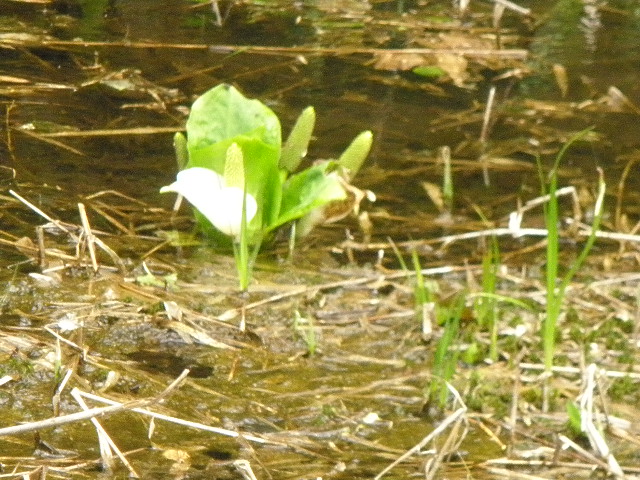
{"x":221,"y":205}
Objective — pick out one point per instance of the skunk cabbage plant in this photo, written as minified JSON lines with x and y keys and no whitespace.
{"x":241,"y":179}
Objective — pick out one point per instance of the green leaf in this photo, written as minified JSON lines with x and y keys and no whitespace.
{"x":150,"y":280}
{"x":429,"y":71}
{"x":261,"y":174}
{"x":575,"y":419}
{"x":355,"y":154}
{"x":223,"y":113}
{"x":295,"y":148}
{"x":307,"y":191}
{"x":223,"y":116}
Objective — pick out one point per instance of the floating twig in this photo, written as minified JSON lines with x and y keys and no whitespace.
{"x":107,"y":445}
{"x":179,"y":421}
{"x":93,"y":412}
{"x":89,"y":236}
{"x":451,"y":420}
{"x":517,"y":54}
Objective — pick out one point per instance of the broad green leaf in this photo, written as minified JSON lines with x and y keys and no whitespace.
{"x":223,"y":116}
{"x":307,"y":191}
{"x":240,"y":139}
{"x":223,"y":113}
{"x":262,"y":177}
{"x":356,"y":153}
{"x":295,"y":148}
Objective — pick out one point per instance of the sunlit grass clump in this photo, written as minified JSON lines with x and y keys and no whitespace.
{"x":243,"y":181}
{"x":556,"y":285}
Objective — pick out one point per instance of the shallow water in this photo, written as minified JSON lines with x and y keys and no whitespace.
{"x":314,"y":405}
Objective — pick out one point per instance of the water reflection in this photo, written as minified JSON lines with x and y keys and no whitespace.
{"x":408,"y":115}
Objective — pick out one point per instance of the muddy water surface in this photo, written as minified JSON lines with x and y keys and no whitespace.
{"x":71,"y":108}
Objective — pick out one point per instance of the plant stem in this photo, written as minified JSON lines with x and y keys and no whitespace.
{"x":553,"y":298}
{"x":555,"y":291}
{"x":241,"y":248}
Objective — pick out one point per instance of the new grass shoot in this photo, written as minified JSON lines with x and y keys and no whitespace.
{"x":428,"y":311}
{"x":486,"y":305}
{"x":423,"y":292}
{"x":243,"y":182}
{"x":445,"y":360}
{"x":307,"y":331}
{"x":556,"y":286}
{"x":447,"y":178}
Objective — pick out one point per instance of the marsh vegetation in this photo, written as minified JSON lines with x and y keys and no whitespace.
{"x":476,"y":318}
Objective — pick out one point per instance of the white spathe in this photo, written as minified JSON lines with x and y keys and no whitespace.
{"x":222,"y":205}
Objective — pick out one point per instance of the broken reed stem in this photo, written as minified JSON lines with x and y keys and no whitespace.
{"x":88,"y":235}
{"x":93,"y":412}
{"x":179,"y":421}
{"x":620,"y":192}
{"x":112,"y":132}
{"x":578,"y":371}
{"x":484,"y":134}
{"x":452,"y":419}
{"x":243,"y":467}
{"x":92,"y":240}
{"x":451,"y":443}
{"x":43,"y":215}
{"x":514,"y":7}
{"x":42,"y":250}
{"x":518,"y":54}
{"x":588,"y":422}
{"x":234,"y":312}
{"x":107,"y":445}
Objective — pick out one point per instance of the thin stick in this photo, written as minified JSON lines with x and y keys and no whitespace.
{"x":578,"y":371}
{"x":93,"y":412}
{"x":34,"y":250}
{"x":42,"y":250}
{"x":416,"y":448}
{"x":503,"y":472}
{"x":484,"y":134}
{"x":114,"y":256}
{"x":179,"y":421}
{"x":90,"y":238}
{"x":620,"y":193}
{"x":539,"y":464}
{"x":520,"y":54}
{"x":567,"y":442}
{"x":56,"y":143}
{"x":103,"y":437}
{"x":113,"y":132}
{"x":233,"y":312}
{"x":42,"y":214}
{"x":7,"y":126}
{"x":515,"y":7}
{"x":111,"y":219}
{"x":452,"y":442}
